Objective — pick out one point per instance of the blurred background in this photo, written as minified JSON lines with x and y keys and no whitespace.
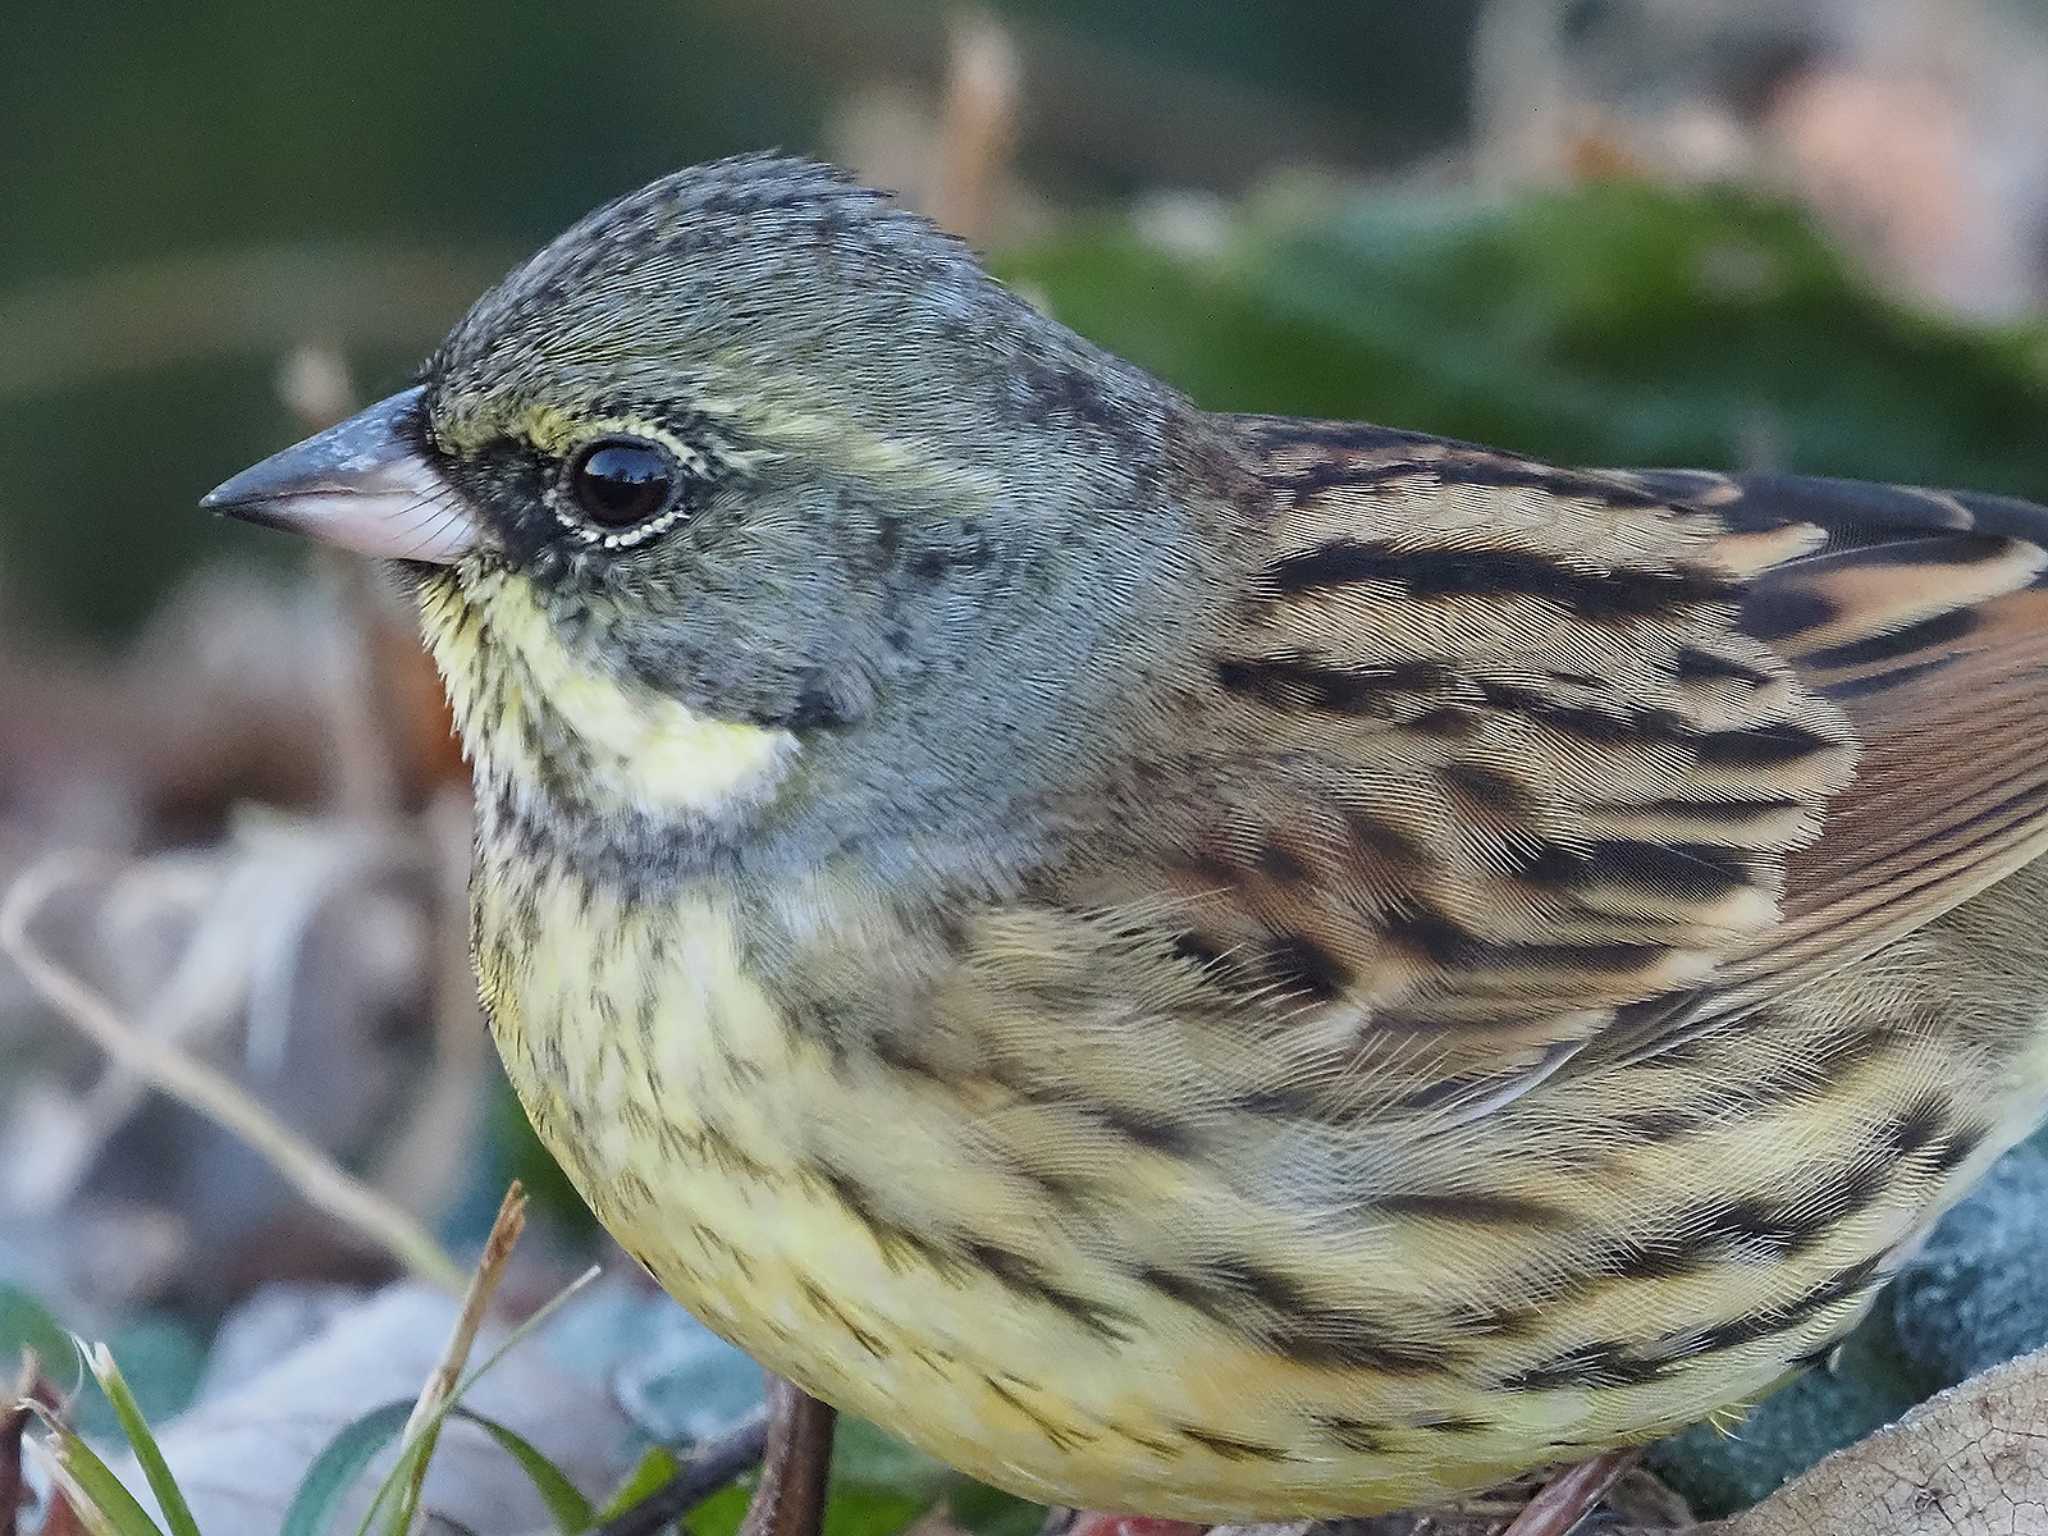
{"x":1800,"y":234}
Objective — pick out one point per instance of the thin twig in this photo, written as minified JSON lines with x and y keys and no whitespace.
{"x":476,"y":1301}
{"x":317,"y":1177}
{"x":790,"y":1498}
{"x":710,"y":1469}
{"x":1568,"y":1498}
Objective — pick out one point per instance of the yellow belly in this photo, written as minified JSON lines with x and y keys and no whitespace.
{"x":685,"y":1111}
{"x":868,"y":1233}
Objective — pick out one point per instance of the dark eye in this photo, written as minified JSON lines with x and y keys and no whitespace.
{"x":620,"y":481}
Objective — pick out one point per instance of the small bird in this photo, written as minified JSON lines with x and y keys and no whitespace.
{"x":1219,"y":967}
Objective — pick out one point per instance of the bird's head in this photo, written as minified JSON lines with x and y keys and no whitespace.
{"x":747,"y":473}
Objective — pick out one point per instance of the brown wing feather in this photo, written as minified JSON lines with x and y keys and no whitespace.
{"x":1924,"y":616}
{"x":1486,"y":757}
{"x":1510,"y":761}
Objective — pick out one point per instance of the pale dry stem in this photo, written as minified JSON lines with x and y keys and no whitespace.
{"x":476,"y":1302}
{"x":318,"y":1179}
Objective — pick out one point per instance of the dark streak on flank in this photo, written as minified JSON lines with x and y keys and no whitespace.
{"x":1219,"y":966}
{"x":1023,"y":1277}
{"x":1437,"y":938}
{"x":1280,"y":863}
{"x":1843,"y":1285}
{"x":898,"y":1055}
{"x":1273,"y":433}
{"x":1473,"y":1208}
{"x":1785,"y":1225}
{"x":1961,"y":1144}
{"x":716,"y":1145}
{"x":897,"y":1242}
{"x":1917,"y":1126}
{"x":1295,"y":682}
{"x":1612,"y":1362}
{"x":1152,"y":1443}
{"x":1305,"y":484}
{"x":1061,"y":1439}
{"x":1757,"y":746}
{"x":1499,"y":1321}
{"x":1598,"y":726}
{"x":1452,"y":1423}
{"x":1600,"y":1363}
{"x":1448,"y":722}
{"x":1580,"y":680}
{"x":1232,"y":1449}
{"x":1617,"y":958}
{"x":1818,"y":1358}
{"x":1656,"y":1125}
{"x":1659,"y":1257}
{"x":1358,"y":1435}
{"x":817,"y":1296}
{"x":1274,"y":1310}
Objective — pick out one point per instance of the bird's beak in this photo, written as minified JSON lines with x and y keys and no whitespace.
{"x":363,"y":484}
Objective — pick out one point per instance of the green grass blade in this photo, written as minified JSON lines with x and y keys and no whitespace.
{"x":350,"y":1453}
{"x":653,"y":1471}
{"x":101,"y":1499}
{"x":335,"y":1470}
{"x":572,"y":1512}
{"x":401,"y":1488}
{"x":537,"y":1319}
{"x":149,"y":1456}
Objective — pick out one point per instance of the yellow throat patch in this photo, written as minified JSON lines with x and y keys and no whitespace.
{"x":516,"y":691}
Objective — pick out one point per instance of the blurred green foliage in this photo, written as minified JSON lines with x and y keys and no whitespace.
{"x":140,"y":136}
{"x":1614,"y":324}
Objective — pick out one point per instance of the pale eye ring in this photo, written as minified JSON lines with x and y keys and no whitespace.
{"x":621,"y":483}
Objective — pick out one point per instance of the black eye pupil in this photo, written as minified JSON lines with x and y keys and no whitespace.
{"x":619,"y":484}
